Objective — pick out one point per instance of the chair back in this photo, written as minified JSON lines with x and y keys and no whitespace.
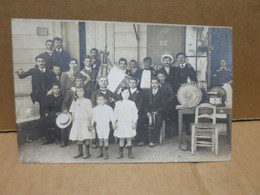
{"x":205,"y":111}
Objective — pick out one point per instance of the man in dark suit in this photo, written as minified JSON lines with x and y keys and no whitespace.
{"x":96,"y":63}
{"x":110,"y":96}
{"x":154,"y":108}
{"x":134,"y":69}
{"x":52,"y":109}
{"x":42,"y":79}
{"x":145,"y":75}
{"x":61,"y":57}
{"x":68,"y":78}
{"x":48,"y":54}
{"x":89,"y":76}
{"x":138,"y":97}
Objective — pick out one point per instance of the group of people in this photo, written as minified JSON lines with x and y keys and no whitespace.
{"x":61,"y":85}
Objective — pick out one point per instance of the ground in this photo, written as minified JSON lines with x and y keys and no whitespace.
{"x":168,"y":151}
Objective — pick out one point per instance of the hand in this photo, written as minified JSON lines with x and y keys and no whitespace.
{"x":65,"y":112}
{"x":148,"y":114}
{"x":155,"y":113}
{"x":49,"y":92}
{"x":20,"y":72}
{"x":111,"y":99}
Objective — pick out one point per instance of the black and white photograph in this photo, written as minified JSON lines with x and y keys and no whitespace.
{"x":121,"y":92}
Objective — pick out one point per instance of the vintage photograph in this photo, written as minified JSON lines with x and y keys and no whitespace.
{"x":121,"y":92}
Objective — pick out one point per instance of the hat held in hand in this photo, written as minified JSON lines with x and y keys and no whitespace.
{"x":63,"y":120}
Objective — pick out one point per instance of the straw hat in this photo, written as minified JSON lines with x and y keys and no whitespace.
{"x":167,"y":55}
{"x":63,"y":120}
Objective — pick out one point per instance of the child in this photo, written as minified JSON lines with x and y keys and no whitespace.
{"x":81,"y":131}
{"x":102,"y":115}
{"x":126,"y":115}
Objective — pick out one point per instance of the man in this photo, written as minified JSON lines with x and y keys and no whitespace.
{"x":134,"y":69}
{"x":95,"y":61}
{"x":48,"y":54}
{"x":61,"y":57}
{"x":52,"y":108}
{"x":138,"y":97}
{"x":154,"y":108}
{"x":70,"y":95}
{"x":123,"y":65}
{"x":110,"y":96}
{"x":185,"y":72}
{"x":223,"y":74}
{"x":67,"y":78}
{"x":89,"y":75}
{"x":145,"y":76}
{"x":42,"y":79}
{"x":168,"y":70}
{"x":57,"y":73}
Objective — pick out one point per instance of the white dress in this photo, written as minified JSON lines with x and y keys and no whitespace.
{"x":125,"y":114}
{"x":82,"y":109}
{"x":102,"y":115}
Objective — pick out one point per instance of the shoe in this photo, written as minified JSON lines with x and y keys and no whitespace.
{"x":130,"y":154}
{"x":63,"y":143}
{"x":80,"y":152}
{"x":94,"y":146}
{"x":140,"y":144}
{"x":151,"y":144}
{"x":100,"y":152}
{"x":106,"y":153}
{"x":86,"y":153}
{"x":121,"y":154}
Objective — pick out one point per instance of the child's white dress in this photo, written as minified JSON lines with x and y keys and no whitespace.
{"x":82,"y":109}
{"x":125,"y":114}
{"x":102,"y":115}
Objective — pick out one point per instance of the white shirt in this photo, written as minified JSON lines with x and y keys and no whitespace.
{"x":167,"y":69}
{"x":133,"y":90}
{"x":182,"y":65}
{"x":155,"y":91}
{"x":59,"y":50}
{"x":42,"y":70}
{"x":88,"y":68}
{"x":49,"y":52}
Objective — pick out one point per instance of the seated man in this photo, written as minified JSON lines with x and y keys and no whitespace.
{"x":52,"y":109}
{"x":154,"y":109}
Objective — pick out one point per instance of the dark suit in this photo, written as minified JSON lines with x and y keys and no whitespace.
{"x":171,"y":77}
{"x":109,"y":94}
{"x":67,"y":81}
{"x":52,"y":106}
{"x":135,"y":74}
{"x":155,"y":103}
{"x":182,"y":75}
{"x":41,"y":84}
{"x":96,"y":63}
{"x":90,"y":77}
{"x":61,"y":59}
{"x":49,"y":60}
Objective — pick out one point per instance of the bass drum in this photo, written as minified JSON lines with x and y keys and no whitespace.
{"x":189,"y":95}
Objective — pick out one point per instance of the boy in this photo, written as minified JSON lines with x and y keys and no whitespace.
{"x":102,"y":116}
{"x":153,"y":107}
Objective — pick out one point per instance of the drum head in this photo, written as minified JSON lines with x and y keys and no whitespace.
{"x":189,"y":95}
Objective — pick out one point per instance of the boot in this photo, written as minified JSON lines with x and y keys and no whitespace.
{"x":80,"y":153}
{"x":63,"y":143}
{"x":101,"y":152}
{"x":121,"y":154}
{"x":130,"y":154}
{"x":106,"y":152}
{"x":86,"y":153}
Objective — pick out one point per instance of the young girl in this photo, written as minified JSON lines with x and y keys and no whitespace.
{"x":102,"y":116}
{"x":126,"y":115}
{"x":81,"y":131}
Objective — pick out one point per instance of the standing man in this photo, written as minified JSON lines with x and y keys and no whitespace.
{"x":89,"y":75}
{"x":42,"y":78}
{"x":145,"y":76}
{"x":134,"y":69}
{"x":48,"y":54}
{"x":67,"y":78}
{"x":61,"y":57}
{"x":96,"y":63}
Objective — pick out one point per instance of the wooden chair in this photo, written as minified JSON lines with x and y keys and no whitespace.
{"x":204,"y":132}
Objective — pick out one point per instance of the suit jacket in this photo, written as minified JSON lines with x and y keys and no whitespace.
{"x":67,"y":81}
{"x":137,"y":74}
{"x":70,"y":95}
{"x":89,"y":75}
{"x":154,"y":103}
{"x":138,"y":98}
{"x":168,"y":95}
{"x":61,"y":59}
{"x":109,"y":94}
{"x":41,"y":82}
{"x":184,"y":73}
{"x":171,"y":77}
{"x":52,"y":107}
{"x":49,"y":60}
{"x":96,"y":64}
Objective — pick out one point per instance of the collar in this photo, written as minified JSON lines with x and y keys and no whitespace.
{"x":49,"y":52}
{"x":155,"y":90}
{"x":88,"y":68}
{"x":182,"y":65}
{"x":72,"y":71}
{"x":43,"y":69}
{"x":56,"y":95}
{"x":133,"y":90}
{"x":59,"y":50}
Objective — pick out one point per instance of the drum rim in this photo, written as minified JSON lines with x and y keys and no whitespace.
{"x":190,"y":84}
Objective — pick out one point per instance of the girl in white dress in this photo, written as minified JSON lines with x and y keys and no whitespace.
{"x":102,"y":116}
{"x":81,"y":131}
{"x":126,"y":115}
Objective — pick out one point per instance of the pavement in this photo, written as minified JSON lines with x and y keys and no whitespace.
{"x":168,"y":151}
